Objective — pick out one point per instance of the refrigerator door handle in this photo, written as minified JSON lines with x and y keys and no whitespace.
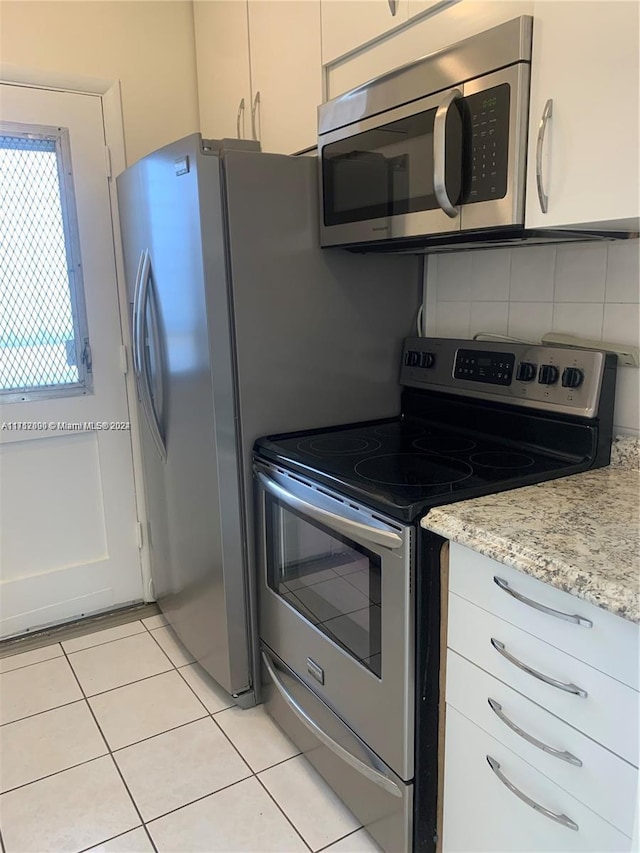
{"x":140,"y":359}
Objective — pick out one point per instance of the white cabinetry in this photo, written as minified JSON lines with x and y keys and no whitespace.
{"x":586,"y":64}
{"x":286,"y":72}
{"x":347,"y":24}
{"x":259,"y":71}
{"x":449,"y":23}
{"x":541,"y":745}
{"x":222,"y":62}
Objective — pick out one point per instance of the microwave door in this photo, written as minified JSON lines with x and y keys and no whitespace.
{"x":378,"y":175}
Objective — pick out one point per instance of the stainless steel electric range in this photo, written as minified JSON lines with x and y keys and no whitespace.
{"x":350,"y":604}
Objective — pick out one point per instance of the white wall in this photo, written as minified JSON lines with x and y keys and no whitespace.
{"x":591,"y":290}
{"x":148,"y":46}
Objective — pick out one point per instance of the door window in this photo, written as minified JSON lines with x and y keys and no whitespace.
{"x":44,"y":344}
{"x":333,"y":582}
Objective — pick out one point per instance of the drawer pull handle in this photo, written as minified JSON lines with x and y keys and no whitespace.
{"x":557,"y":753}
{"x":568,"y":617}
{"x":561,"y":685}
{"x":558,"y":818}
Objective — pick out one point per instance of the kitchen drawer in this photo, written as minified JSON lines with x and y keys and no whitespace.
{"x":482,"y":814}
{"x":611,"y":645}
{"x":604,"y":783}
{"x":609,"y":712}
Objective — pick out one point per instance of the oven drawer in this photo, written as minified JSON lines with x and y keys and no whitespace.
{"x":590,"y":773}
{"x":611,"y":644}
{"x":482,"y":814}
{"x":608,"y":712}
{"x":376,"y":796}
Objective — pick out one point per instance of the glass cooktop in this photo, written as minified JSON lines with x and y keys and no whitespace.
{"x":403,"y":467}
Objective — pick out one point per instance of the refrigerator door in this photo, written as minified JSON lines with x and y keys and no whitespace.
{"x":199,"y":580}
{"x":135,"y":240}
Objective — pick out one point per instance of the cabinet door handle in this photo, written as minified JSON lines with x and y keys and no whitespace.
{"x":254,"y":108}
{"x":240,"y":113}
{"x":561,"y":685}
{"x":543,"y":198}
{"x":558,"y":818}
{"x":568,"y":617}
{"x":393,"y":7}
{"x":557,"y":753}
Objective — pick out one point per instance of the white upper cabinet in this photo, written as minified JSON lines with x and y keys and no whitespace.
{"x":286,"y":73}
{"x":417,"y":7}
{"x":222,"y":61}
{"x":347,"y":24}
{"x":585,"y":73}
{"x":449,"y":23}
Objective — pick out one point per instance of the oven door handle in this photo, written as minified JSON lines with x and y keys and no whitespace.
{"x":369,"y":772}
{"x":377,"y":535}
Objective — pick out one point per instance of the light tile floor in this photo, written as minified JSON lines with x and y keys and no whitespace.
{"x":118,"y":742}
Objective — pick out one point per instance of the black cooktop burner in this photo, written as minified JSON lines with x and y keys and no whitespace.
{"x":444,"y":444}
{"x":400,"y":429}
{"x":413,"y":470}
{"x":331,"y":445}
{"x":501,"y":459}
{"x":403,"y":467}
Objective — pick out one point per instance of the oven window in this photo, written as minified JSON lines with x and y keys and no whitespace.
{"x":331,"y":581}
{"x":388,"y":171}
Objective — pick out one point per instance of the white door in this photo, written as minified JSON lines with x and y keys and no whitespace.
{"x":68,"y":544}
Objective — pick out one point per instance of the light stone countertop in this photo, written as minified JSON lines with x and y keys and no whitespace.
{"x":580,"y":534}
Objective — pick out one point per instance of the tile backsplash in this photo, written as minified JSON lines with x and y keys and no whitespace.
{"x":586,"y":289}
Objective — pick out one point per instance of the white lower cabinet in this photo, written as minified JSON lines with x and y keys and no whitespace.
{"x":512,"y":806}
{"x":541,"y":743}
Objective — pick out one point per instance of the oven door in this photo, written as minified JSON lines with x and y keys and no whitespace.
{"x":398,"y":174}
{"x":336,"y":606}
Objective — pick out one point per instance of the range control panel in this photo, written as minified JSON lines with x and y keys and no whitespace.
{"x":555,"y":378}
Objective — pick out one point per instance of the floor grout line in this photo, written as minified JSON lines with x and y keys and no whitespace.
{"x":56,"y":772}
{"x":112,"y":838}
{"x":115,"y":763}
{"x":198,"y":799}
{"x":287,"y":818}
{"x":113,"y":752}
{"x":105,"y":643}
{"x":342,"y":838}
{"x":35,"y":662}
{"x":44,"y":711}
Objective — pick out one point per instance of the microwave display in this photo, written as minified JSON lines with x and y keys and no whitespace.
{"x":388,"y":171}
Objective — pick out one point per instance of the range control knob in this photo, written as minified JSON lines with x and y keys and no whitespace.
{"x":427,"y":359}
{"x":412,"y":358}
{"x":548,"y":374}
{"x":526,"y":371}
{"x":572,"y":377}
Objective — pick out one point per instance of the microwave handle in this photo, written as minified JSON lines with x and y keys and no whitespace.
{"x":439,"y":153}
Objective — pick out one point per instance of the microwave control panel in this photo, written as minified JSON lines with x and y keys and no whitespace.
{"x":487,"y":141}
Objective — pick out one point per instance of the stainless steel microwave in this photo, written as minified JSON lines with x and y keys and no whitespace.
{"x":432,"y":152}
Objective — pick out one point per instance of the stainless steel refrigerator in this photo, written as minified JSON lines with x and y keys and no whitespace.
{"x":241,"y":326}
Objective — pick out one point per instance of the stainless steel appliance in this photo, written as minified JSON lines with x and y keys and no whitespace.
{"x":432,"y":156}
{"x":241,"y":325}
{"x":349,"y":583}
